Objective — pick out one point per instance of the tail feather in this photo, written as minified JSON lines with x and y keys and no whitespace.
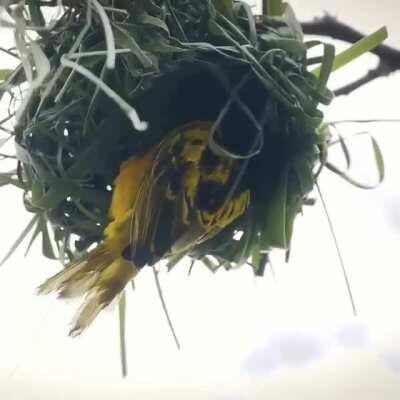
{"x":108,"y":285}
{"x":98,"y":276}
{"x":77,"y":272}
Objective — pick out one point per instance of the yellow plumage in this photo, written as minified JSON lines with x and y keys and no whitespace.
{"x":164,"y":203}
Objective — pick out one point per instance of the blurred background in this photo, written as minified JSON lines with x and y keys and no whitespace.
{"x":288,"y":335}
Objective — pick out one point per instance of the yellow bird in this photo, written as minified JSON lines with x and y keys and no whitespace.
{"x":176,"y":196}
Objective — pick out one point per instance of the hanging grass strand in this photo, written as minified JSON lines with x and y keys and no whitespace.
{"x":128,"y":109}
{"x":339,"y":253}
{"x":110,"y":41}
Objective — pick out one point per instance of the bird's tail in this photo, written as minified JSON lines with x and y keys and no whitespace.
{"x":99,"y":277}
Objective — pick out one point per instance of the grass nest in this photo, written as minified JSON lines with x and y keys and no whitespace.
{"x":102,"y":81}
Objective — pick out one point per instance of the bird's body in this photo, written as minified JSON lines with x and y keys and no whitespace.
{"x":166,"y":202}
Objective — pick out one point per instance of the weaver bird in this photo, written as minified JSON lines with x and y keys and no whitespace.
{"x":165,"y":203}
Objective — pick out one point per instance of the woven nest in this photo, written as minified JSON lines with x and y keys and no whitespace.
{"x":166,"y":63}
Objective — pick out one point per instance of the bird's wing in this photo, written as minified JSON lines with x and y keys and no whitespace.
{"x":170,"y":215}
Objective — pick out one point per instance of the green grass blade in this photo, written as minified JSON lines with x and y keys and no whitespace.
{"x":164,"y":306}
{"x":379,"y":162}
{"x":345,"y":150}
{"x":274,"y":234}
{"x":327,"y":65}
{"x":225,"y":7}
{"x":122,"y":334}
{"x":264,"y":8}
{"x":364,"y":45}
{"x":7,"y":178}
{"x":338,"y":251}
{"x":293,"y":22}
{"x":275,"y":8}
{"x":34,"y":236}
{"x":303,"y":170}
{"x":5,"y":73}
{"x":47,"y":248}
{"x":20,"y":238}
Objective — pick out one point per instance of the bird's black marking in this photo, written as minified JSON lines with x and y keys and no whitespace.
{"x":140,"y":257}
{"x":209,"y":161}
{"x":211,"y":196}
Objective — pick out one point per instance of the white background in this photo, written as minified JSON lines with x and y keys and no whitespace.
{"x":242,"y":338}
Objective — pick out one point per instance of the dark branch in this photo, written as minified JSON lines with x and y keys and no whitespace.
{"x":389,"y":57}
{"x":368,"y":77}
